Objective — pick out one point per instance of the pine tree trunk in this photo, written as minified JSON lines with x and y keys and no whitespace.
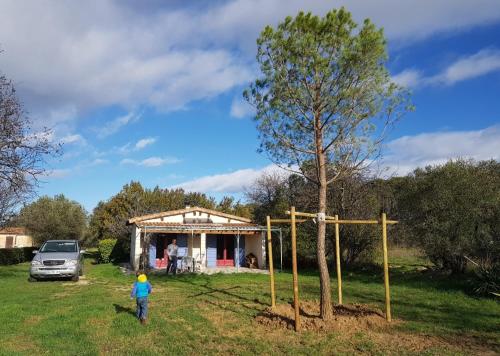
{"x":324,"y":276}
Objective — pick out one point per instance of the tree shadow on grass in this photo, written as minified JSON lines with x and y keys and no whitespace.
{"x":212,"y":291}
{"x":120,"y":309}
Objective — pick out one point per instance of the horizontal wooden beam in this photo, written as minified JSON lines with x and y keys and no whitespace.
{"x":307,"y":215}
{"x":331,"y":219}
{"x":389,"y":222}
{"x":287,"y":221}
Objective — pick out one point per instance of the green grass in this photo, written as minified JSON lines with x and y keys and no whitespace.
{"x":215,"y":314}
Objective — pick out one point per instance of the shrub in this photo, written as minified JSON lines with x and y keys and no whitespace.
{"x":12,"y":256}
{"x":105,"y":249}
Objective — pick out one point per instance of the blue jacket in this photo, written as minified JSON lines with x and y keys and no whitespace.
{"x":141,"y":289}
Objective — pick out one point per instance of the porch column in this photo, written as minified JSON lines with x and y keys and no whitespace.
{"x":237,"y":257}
{"x":135,"y":247}
{"x":263,"y":244}
{"x":203,"y":250}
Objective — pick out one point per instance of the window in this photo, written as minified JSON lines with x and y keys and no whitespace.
{"x":59,"y":246}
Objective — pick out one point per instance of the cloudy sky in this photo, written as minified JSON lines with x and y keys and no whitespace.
{"x":151,"y":90}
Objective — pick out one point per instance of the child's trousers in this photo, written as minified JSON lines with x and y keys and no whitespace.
{"x":142,"y":308}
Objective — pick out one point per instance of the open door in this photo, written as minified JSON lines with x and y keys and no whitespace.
{"x":225,"y":250}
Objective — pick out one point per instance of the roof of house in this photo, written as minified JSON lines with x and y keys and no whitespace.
{"x":184,"y":211}
{"x":13,"y":230}
{"x":198,"y":228}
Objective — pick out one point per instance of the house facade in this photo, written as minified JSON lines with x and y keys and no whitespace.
{"x":208,"y":237}
{"x":12,"y":237}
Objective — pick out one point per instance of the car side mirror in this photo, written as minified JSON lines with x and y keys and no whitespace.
{"x":35,"y":252}
{"x":82,"y":251}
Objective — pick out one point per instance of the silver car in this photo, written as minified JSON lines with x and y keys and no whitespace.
{"x":57,"y":259}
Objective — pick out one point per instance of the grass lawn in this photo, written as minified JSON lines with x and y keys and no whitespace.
{"x":215,"y":314}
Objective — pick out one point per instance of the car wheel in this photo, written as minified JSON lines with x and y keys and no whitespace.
{"x":75,"y":278}
{"x":32,"y":279}
{"x":80,"y":272}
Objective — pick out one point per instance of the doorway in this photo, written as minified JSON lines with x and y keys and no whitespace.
{"x":162,"y":241}
{"x":225,"y":250}
{"x":9,"y":242}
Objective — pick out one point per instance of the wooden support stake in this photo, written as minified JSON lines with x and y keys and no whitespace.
{"x":294,"y":269}
{"x":386,"y":269}
{"x":337,"y":258}
{"x":270,"y":254}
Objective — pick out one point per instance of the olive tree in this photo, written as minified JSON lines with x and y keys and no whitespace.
{"x":56,"y":218}
{"x":323,"y":103}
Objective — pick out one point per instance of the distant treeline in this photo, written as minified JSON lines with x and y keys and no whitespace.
{"x":451,"y":212}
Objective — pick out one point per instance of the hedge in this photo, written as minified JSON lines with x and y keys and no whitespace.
{"x":105,"y":249}
{"x":12,"y":256}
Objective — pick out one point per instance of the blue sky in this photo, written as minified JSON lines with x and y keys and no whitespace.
{"x":151,"y":91}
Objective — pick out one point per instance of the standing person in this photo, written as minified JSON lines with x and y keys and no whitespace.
{"x":172,"y":256}
{"x":141,"y":290}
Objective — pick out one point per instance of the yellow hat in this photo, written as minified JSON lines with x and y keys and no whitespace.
{"x":142,"y":278}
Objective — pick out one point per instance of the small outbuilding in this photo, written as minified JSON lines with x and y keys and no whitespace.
{"x":208,"y":238}
{"x":12,"y":237}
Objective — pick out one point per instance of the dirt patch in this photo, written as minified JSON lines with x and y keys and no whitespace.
{"x":354,"y":320}
{"x":33,"y":320}
{"x":349,"y":318}
{"x":81,"y":282}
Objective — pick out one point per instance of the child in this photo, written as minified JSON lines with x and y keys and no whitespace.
{"x":142,"y":288}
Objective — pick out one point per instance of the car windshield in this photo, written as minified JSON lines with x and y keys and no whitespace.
{"x":58,"y":246}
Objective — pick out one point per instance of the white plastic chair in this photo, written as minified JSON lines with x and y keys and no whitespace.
{"x":186,"y":263}
{"x":198,"y":262}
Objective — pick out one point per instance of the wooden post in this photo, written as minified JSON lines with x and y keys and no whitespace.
{"x":386,"y":269}
{"x":270,"y":254}
{"x":337,"y":258}
{"x":294,"y":269}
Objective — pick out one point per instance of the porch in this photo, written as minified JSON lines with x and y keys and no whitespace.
{"x":199,"y":252}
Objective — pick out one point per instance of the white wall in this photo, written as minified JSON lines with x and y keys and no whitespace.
{"x":18,"y":240}
{"x":253,"y":244}
{"x":203,"y":250}
{"x":135,"y":247}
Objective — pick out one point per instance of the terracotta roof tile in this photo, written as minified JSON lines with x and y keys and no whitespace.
{"x":13,"y":230}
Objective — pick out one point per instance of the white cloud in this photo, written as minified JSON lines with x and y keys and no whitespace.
{"x":409,"y":152}
{"x":73,"y":139}
{"x":69,"y":57}
{"x":481,"y":63}
{"x":139,"y":145}
{"x":57,"y":173}
{"x":241,"y":108}
{"x":97,"y":161}
{"x":115,"y":125}
{"x":403,"y":156}
{"x":408,"y":78}
{"x":144,"y":142}
{"x":468,"y":67}
{"x":234,"y":182}
{"x":151,"y":161}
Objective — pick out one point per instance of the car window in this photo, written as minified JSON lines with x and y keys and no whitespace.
{"x":59,"y":246}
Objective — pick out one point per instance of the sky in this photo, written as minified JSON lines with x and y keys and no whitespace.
{"x":151,"y":91}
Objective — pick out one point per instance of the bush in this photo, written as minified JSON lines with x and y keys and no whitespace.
{"x":105,"y":249}
{"x":12,"y":256}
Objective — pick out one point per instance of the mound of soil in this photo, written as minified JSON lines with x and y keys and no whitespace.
{"x":348,"y":318}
